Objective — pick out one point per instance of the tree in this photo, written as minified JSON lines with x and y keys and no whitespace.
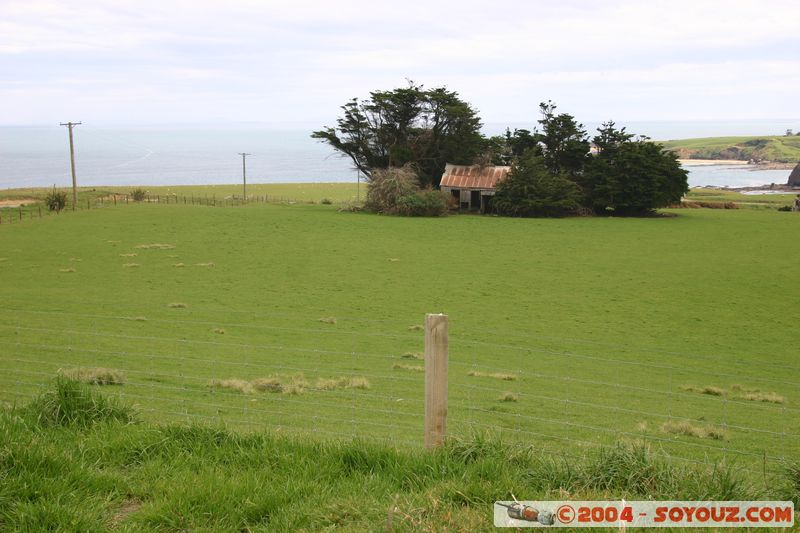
{"x":532,"y":190}
{"x":565,"y":141}
{"x":631,"y":176}
{"x":424,"y":127}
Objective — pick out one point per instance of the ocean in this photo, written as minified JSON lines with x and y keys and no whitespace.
{"x":38,"y":156}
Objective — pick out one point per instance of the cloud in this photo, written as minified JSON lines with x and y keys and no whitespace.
{"x":264,"y":60}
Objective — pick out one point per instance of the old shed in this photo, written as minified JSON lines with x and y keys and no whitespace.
{"x":473,"y":186}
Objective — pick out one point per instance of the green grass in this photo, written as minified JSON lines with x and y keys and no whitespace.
{"x":780,"y":149}
{"x":603,"y":321}
{"x":113,"y":474}
{"x":768,"y":201}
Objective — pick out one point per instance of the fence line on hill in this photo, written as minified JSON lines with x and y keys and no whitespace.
{"x":37,"y":210}
{"x":495,"y":368}
{"x":282,"y":367}
{"x":180,"y":378}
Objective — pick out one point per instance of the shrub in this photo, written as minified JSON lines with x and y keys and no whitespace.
{"x":138,"y":194}
{"x":427,"y":203}
{"x":56,"y":200}
{"x":388,"y":185}
{"x":326,"y":201}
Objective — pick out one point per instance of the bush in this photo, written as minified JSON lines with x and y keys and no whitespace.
{"x":326,"y":201}
{"x":138,"y":194}
{"x":56,"y":200}
{"x":427,"y":203}
{"x":388,"y":185}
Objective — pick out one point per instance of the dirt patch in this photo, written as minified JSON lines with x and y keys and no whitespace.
{"x":127,"y":509}
{"x":19,"y":202}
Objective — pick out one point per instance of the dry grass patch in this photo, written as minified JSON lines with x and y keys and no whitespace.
{"x":710,"y":390}
{"x":178,"y":265}
{"x":494,"y":375}
{"x":176,"y":305}
{"x":66,"y":270}
{"x":352,"y":382}
{"x":94,"y":376}
{"x":688,"y":429}
{"x":508,"y":397}
{"x":239,"y":385}
{"x":413,"y":368}
{"x":138,"y":318}
{"x":416,"y":328}
{"x":204,"y":264}
{"x":413,"y":355}
{"x":128,"y":255}
{"x":737,"y":392}
{"x":328,"y":320}
{"x":219,"y":331}
{"x":155,"y":246}
{"x":758,"y":396}
{"x":131,"y":265}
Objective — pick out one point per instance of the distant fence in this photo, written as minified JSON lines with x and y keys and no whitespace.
{"x":37,"y":210}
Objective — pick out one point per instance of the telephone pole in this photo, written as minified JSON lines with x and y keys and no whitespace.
{"x":244,"y":174}
{"x":71,"y":125}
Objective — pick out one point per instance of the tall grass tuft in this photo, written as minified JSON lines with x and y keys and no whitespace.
{"x":74,"y":404}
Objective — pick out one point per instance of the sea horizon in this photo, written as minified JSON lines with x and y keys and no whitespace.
{"x":199,"y":154}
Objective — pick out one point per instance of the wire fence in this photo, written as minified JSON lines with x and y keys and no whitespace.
{"x":366,"y":379}
{"x":26,"y":210}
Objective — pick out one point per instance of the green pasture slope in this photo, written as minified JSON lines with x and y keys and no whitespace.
{"x":604,"y":322}
{"x":776,"y":148}
{"x":679,"y":332}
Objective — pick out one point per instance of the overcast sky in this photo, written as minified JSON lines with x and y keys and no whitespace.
{"x":139,"y":61}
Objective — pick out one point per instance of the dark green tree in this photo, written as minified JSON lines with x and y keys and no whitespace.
{"x":631,"y":175}
{"x":532,"y":190}
{"x":565,"y":141}
{"x":425,"y":127}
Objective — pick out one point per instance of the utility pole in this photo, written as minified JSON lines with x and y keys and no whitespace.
{"x":244,"y":174}
{"x":71,"y":125}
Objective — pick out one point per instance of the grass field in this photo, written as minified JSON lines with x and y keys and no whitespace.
{"x":72,"y":461}
{"x":776,"y":148}
{"x":680,"y":331}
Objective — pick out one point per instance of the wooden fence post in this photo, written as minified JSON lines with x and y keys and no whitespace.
{"x":436,"y":342}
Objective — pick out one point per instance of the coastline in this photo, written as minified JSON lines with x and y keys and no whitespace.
{"x":735,"y":162}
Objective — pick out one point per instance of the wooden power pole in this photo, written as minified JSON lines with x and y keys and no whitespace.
{"x":71,"y":125}
{"x":244,"y":174}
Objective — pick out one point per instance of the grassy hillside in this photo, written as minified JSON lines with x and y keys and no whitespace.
{"x":780,"y":149}
{"x":73,"y":461}
{"x":568,"y":334}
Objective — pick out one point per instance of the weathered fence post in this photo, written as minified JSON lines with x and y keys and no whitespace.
{"x":435,"y":379}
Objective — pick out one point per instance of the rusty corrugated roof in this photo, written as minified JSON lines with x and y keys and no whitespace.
{"x":472,"y":176}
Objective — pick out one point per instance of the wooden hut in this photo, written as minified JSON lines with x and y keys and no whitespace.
{"x":473,"y":186}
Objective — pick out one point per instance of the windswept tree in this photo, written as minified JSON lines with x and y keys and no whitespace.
{"x":412,"y":125}
{"x":566,"y":144}
{"x":631,"y":175}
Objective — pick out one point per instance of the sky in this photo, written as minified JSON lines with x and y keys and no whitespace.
{"x":292,"y":62}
